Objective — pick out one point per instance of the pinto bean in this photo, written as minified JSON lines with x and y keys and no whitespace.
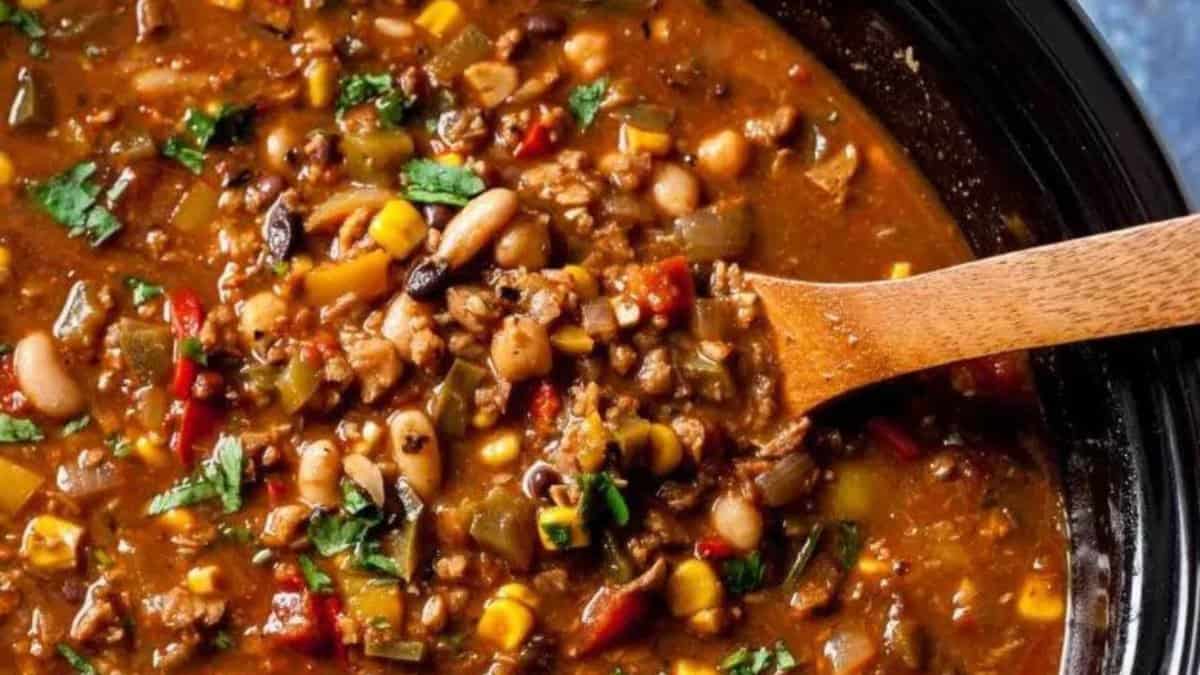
{"x":404,"y":318}
{"x":724,"y":154}
{"x":588,"y":53}
{"x":317,"y":477}
{"x":521,"y":349}
{"x":44,"y":379}
{"x":676,"y":191}
{"x":476,"y":225}
{"x":738,"y":521}
{"x":416,"y":453}
{"x":525,"y":244}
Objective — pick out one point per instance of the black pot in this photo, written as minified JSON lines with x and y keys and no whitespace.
{"x":1016,"y":108}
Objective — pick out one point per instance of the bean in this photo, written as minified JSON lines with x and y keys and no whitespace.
{"x":366,"y":474}
{"x":428,"y":279}
{"x":544,"y":26}
{"x":260,"y":316}
{"x":44,"y":379}
{"x":278,"y":147}
{"x":416,"y":453}
{"x":317,"y":477}
{"x":676,"y":191}
{"x":738,"y":521}
{"x":521,"y":349}
{"x":724,"y":154}
{"x":587,"y":52}
{"x":405,"y":317}
{"x":478,"y":223}
{"x":524,"y":244}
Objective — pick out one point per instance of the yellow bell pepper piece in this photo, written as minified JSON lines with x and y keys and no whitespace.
{"x":900,"y":270}
{"x":693,"y":587}
{"x":521,"y":593}
{"x":19,"y":485}
{"x":450,"y":159}
{"x":231,"y":5}
{"x":440,"y":17}
{"x":33,"y":4}
{"x":505,"y":623}
{"x":203,"y":580}
{"x":179,"y":521}
{"x":666,"y":452}
{"x":398,"y":228}
{"x":371,"y":599}
{"x":692,"y":667}
{"x":561,"y":528}
{"x":707,"y":621}
{"x":51,"y":543}
{"x":585,"y":281}
{"x":1038,"y":600}
{"x":366,"y":276}
{"x":572,"y":340}
{"x":7,"y":171}
{"x":501,"y":449}
{"x":151,"y":451}
{"x":634,"y":141}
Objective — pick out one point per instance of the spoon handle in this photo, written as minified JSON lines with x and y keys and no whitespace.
{"x":1129,"y":281}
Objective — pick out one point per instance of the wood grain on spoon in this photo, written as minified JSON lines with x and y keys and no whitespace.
{"x":834,"y":338}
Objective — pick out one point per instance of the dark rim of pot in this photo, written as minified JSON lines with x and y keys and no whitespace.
{"x":1015,"y":108}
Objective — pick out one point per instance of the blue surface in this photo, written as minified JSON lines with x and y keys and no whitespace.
{"x":1158,"y":45}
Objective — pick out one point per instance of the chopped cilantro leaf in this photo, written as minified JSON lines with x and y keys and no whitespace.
{"x":222,"y":640}
{"x":847,"y":544}
{"x":80,"y":664}
{"x":229,"y":126}
{"x":357,"y":89}
{"x":333,"y":534}
{"x":784,"y":661}
{"x":23,"y":20}
{"x":193,"y":350}
{"x":584,"y":101}
{"x":70,"y":198}
{"x":120,"y":446}
{"x":143,"y":291}
{"x":393,"y":108}
{"x":354,"y":500}
{"x":76,"y":425}
{"x":368,"y":556}
{"x":433,"y":183}
{"x":101,"y":225}
{"x":743,"y":575}
{"x":558,"y":534}
{"x":191,"y":158}
{"x":218,"y":478}
{"x":316,"y":579}
{"x":18,"y":430}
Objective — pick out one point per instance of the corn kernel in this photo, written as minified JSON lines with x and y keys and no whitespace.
{"x":398,"y":228}
{"x":900,"y":270}
{"x":179,"y":521}
{"x":7,"y":171}
{"x":870,"y":566}
{"x":151,"y":451}
{"x":666,"y":452}
{"x":440,"y":17}
{"x":505,"y":623}
{"x":501,"y":449}
{"x":5,"y":265}
{"x":634,"y":141}
{"x":595,"y":443}
{"x":203,"y":580}
{"x":521,"y":593}
{"x":231,"y":5}
{"x":707,"y":621}
{"x":585,"y":281}
{"x":319,"y":79}
{"x":1039,"y":600}
{"x":51,"y":543}
{"x":561,"y":528}
{"x":450,"y":159}
{"x":692,"y":667}
{"x":572,"y":340}
{"x":33,"y":4}
{"x":693,"y":587}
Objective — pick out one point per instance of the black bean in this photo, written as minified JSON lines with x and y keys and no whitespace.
{"x":437,"y":215}
{"x":282,"y":229}
{"x":428,"y":279}
{"x":538,"y":480}
{"x":544,"y":26}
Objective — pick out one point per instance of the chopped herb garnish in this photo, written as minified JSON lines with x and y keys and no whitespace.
{"x":433,"y":183}
{"x":584,"y":101}
{"x":743,"y":575}
{"x":120,"y":446}
{"x":369,"y":557}
{"x":222,"y":640}
{"x":600,"y":499}
{"x":143,"y":291}
{"x":230,"y":125}
{"x":80,"y":664}
{"x":393,"y":108}
{"x":848,"y":544}
{"x":357,"y":89}
{"x":76,"y":425}
{"x":354,"y":500}
{"x":70,"y":198}
{"x":191,"y":158}
{"x":558,"y":534}
{"x":193,"y":350}
{"x":218,"y":478}
{"x":803,"y":557}
{"x":281,"y":268}
{"x":23,"y":20}
{"x":784,"y":661}
{"x":332,"y":534}
{"x":315,"y":578}
{"x":18,"y":430}
{"x":759,"y":661}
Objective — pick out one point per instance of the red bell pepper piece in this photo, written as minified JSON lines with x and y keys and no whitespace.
{"x":545,"y":406}
{"x":198,"y":419}
{"x":187,"y":313}
{"x":714,"y":548}
{"x":890,"y":435}
{"x":186,"y":371}
{"x":536,"y":142}
{"x":276,"y":491}
{"x":610,"y":616}
{"x":665,"y":288}
{"x":294,"y":622}
{"x":329,"y":608}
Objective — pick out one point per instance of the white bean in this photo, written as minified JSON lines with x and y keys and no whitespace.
{"x":478,"y":223}
{"x":587,"y":52}
{"x":521,"y":349}
{"x":317,"y":478}
{"x":724,"y":154}
{"x":405,"y":317}
{"x":676,"y":190}
{"x":416,"y":453}
{"x":738,"y":521}
{"x":44,"y":379}
{"x":365,"y":474}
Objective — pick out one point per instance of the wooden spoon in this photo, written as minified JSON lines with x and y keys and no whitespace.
{"x":834,"y":338}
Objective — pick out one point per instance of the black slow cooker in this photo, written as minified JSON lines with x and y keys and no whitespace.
{"x":1014,"y":106}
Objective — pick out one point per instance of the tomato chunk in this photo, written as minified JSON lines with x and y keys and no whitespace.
{"x":538,"y":141}
{"x":545,"y":406}
{"x":714,"y":548}
{"x":293,"y":621}
{"x":665,"y":288}
{"x":610,"y":616}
